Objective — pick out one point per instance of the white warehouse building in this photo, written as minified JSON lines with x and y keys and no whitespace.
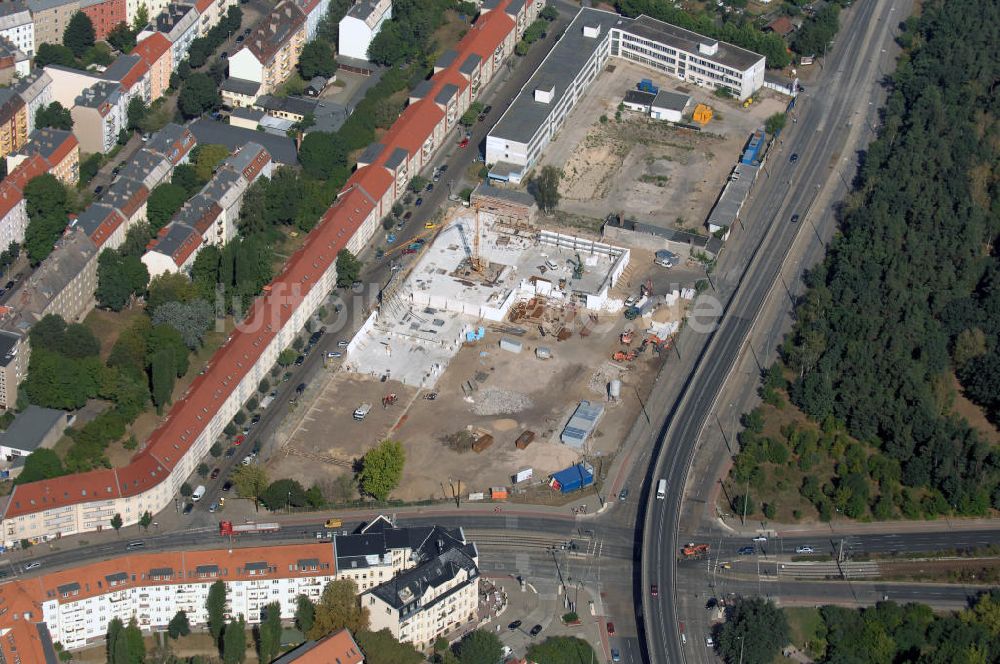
{"x":538,"y":112}
{"x":359,"y":27}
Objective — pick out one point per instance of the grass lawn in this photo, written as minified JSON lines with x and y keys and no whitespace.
{"x":107,"y":325}
{"x":805,"y":624}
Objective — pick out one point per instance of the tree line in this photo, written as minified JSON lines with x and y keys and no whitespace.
{"x":907,"y":294}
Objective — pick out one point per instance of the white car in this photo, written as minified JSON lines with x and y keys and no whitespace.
{"x":804,"y":549}
{"x":34,"y":565}
{"x":760,"y":539}
{"x":709,"y":642}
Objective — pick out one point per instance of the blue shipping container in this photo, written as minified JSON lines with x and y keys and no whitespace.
{"x":573,"y":478}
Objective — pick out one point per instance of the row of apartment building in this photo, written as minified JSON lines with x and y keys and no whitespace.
{"x":65,"y":282}
{"x":519,"y":138}
{"x":84,"y":502}
{"x":271,"y":52}
{"x":18,"y":105}
{"x":418,"y":582}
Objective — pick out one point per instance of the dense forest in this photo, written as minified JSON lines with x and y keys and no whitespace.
{"x":910,"y":291}
{"x":885,"y":633}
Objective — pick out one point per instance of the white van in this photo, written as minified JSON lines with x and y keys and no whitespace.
{"x":362,"y":411}
{"x":198,"y":493}
{"x":661,"y":490}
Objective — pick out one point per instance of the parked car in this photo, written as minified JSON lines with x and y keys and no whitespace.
{"x":230,"y":452}
{"x":334,"y":354}
{"x":514,"y":625}
{"x":188,"y":508}
{"x":98,"y":190}
{"x":794,"y":158}
{"x":342,"y":343}
{"x":299,"y":360}
{"x":486,"y":111}
{"x":255,"y":419}
{"x":611,"y":628}
{"x":615,"y":655}
{"x":623,"y":495}
{"x":429,"y":187}
{"x":418,"y":202}
{"x":464,"y":143}
{"x":536,"y":630}
{"x":214,"y":507}
{"x":227,"y":486}
{"x":239,"y":439}
{"x":407,"y":215}
{"x":215,"y":473}
{"x":34,"y":565}
{"x":239,"y":40}
{"x":745,"y":551}
{"x":224,"y":55}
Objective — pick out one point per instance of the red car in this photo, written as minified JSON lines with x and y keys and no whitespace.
{"x":215,"y":473}
{"x":239,"y":439}
{"x":464,"y":143}
{"x":654,"y":590}
{"x":611,"y":629}
{"x":409,"y":251}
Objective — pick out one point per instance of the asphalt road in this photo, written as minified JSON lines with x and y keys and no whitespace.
{"x":822,"y":131}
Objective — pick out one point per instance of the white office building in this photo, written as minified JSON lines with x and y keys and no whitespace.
{"x":540,"y":109}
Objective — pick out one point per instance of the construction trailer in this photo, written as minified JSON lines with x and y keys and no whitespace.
{"x":574,"y":478}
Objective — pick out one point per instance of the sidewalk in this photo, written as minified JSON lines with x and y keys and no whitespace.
{"x":845,"y":527}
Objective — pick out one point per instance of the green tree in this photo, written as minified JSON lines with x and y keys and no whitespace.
{"x":382,"y":468}
{"x":162,"y":377}
{"x":234,"y":644}
{"x":43,"y":463}
{"x":561,"y":650}
{"x":47,"y":206}
{"x":418,"y":183}
{"x":119,"y":278}
{"x":54,"y":54}
{"x":179,"y":625}
{"x":79,"y":34}
{"x":269,"y":642}
{"x":121,"y":38}
{"x":186,"y":176}
{"x":141,"y":19}
{"x":164,"y":202}
{"x":136,"y":647}
{"x":545,"y":188}
{"x":775,"y":123}
{"x":169,"y":287}
{"x":381,"y":647}
{"x":203,"y":469}
{"x":199,"y":94}
{"x":479,"y":647}
{"x":215,"y":606}
{"x":323,"y":155}
{"x":305,"y":613}
{"x":191,"y":320}
{"x":348,"y":268}
{"x":137,"y":111}
{"x":339,"y":608}
{"x":146,"y":520}
{"x":116,"y":522}
{"x":757,"y":629}
{"x":550,"y":13}
{"x":215,"y":450}
{"x":116,"y":643}
{"x":55,"y":115}
{"x":282,"y":494}
{"x":250,"y":482}
{"x":317,"y":59}
{"x":186,"y":490}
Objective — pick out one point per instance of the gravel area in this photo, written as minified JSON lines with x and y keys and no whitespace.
{"x":500,"y":402}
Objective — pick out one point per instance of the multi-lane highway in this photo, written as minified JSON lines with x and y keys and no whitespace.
{"x":832,"y":119}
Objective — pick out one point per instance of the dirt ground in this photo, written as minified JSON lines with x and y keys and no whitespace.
{"x":322,"y":438}
{"x":645,"y":168}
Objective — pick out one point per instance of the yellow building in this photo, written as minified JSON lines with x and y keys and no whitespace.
{"x":13,"y":122}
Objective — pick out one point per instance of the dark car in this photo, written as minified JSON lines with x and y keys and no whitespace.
{"x":116,"y":170}
{"x":514,"y":625}
{"x":443,"y":169}
{"x":418,"y":202}
{"x":654,"y":590}
{"x":623,"y":496}
{"x":429,"y":187}
{"x":248,"y":31}
{"x":188,"y":508}
{"x":746,"y":551}
{"x":487,"y":110}
{"x":255,"y":419}
{"x":239,"y":40}
{"x":301,"y":388}
{"x":611,"y":629}
{"x":224,"y":55}
{"x":9,"y":285}
{"x":536,"y":630}
{"x":409,"y":213}
{"x":98,"y":190}
{"x":227,"y":486}
{"x":215,"y":473}
{"x":795,"y":218}
{"x":299,"y":360}
{"x":794,"y":158}
{"x":231,"y":452}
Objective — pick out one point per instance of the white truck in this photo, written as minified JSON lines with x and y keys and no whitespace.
{"x":661,"y":490}
{"x":362,"y":411}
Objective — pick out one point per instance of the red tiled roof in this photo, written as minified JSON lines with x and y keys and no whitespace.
{"x":134,"y":74}
{"x":189,"y":416}
{"x":11,"y":189}
{"x":781,"y":25}
{"x":107,"y":228}
{"x":152,"y":48}
{"x":61,"y":491}
{"x":339,"y":647}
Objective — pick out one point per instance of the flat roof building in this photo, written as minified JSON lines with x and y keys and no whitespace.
{"x":540,"y":109}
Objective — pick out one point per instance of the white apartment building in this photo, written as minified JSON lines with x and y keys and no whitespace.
{"x":77,"y":604}
{"x":359,"y":27}
{"x":540,"y":109}
{"x":17,"y":26}
{"x":153,"y":7}
{"x":36,"y":91}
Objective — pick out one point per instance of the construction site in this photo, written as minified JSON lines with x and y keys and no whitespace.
{"x":504,"y":355}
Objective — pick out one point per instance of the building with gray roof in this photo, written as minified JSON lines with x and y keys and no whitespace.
{"x":10,"y":376}
{"x":594,"y":36}
{"x":281,"y":148}
{"x":33,"y":428}
{"x":581,"y":424}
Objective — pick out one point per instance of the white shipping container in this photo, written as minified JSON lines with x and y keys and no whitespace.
{"x":523,"y":475}
{"x":511,"y":345}
{"x":479,"y":495}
